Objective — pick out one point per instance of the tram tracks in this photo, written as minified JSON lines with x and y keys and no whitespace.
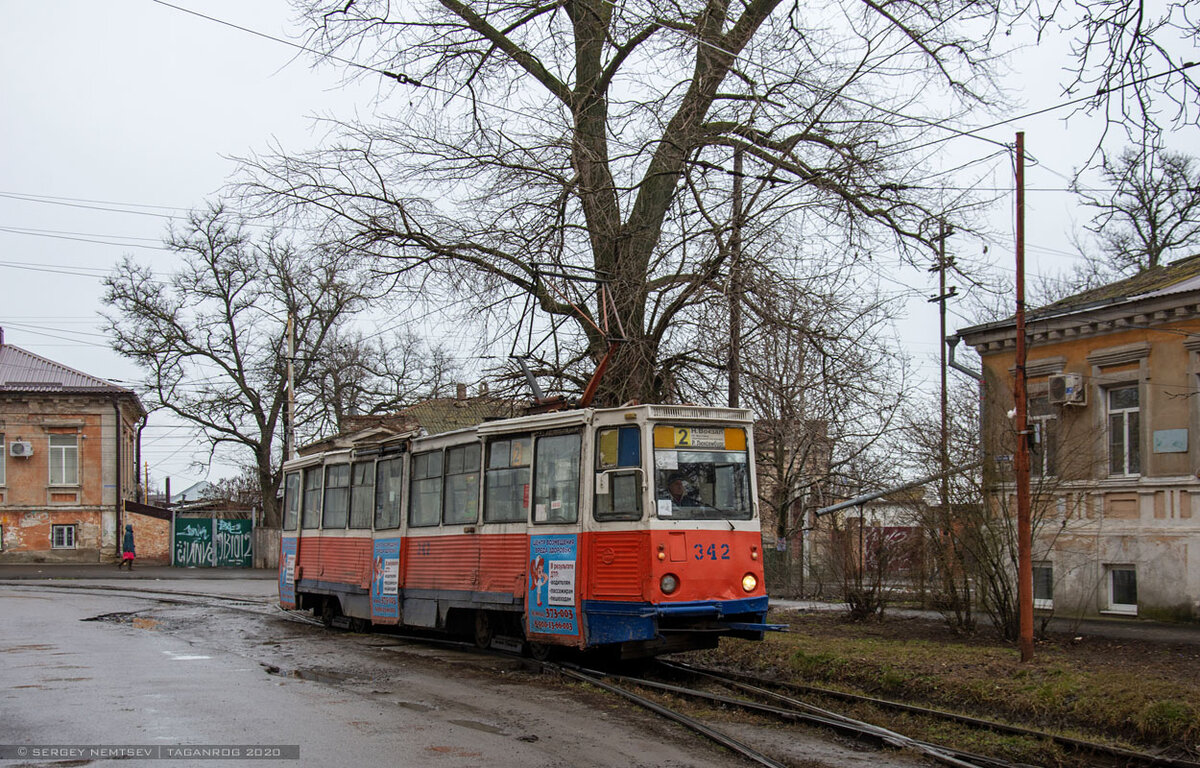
{"x":764,"y":698}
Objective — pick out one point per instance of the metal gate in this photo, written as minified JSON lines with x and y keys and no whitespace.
{"x":212,"y":543}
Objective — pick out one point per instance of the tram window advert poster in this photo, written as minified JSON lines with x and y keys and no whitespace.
{"x":550,"y":602}
{"x":385,"y":579}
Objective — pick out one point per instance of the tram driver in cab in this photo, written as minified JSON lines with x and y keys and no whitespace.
{"x":683,"y":494}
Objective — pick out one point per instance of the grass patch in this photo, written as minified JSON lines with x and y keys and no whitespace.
{"x":1143,"y":695}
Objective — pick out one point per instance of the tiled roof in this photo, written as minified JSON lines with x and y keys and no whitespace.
{"x":1177,"y":277}
{"x":23,"y":371}
{"x":439,"y":415}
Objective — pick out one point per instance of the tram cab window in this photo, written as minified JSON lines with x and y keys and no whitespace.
{"x":556,"y":479}
{"x":362,"y":493}
{"x":388,"y":492}
{"x":461,"y":499}
{"x":291,"y":501}
{"x":337,"y":496}
{"x":619,"y":474}
{"x":425,"y":493}
{"x":506,"y":481}
{"x":701,"y":473}
{"x":310,"y":514}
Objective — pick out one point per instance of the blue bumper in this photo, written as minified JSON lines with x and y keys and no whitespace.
{"x":618,"y":622}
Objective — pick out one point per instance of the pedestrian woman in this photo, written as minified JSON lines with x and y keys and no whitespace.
{"x":128,"y":551}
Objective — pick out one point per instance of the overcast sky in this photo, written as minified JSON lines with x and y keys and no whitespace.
{"x":121,"y":114}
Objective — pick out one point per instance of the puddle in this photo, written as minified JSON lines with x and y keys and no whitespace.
{"x":479,"y":726}
{"x":116,"y":618}
{"x":414,"y":706}
{"x":330,"y":678}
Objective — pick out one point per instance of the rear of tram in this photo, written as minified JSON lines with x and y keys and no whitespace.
{"x":676,"y":551}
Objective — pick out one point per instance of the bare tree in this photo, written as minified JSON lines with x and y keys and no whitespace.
{"x":211,"y":336}
{"x":596,"y":135}
{"x":355,"y":375}
{"x":1131,"y":58}
{"x":1153,"y":209}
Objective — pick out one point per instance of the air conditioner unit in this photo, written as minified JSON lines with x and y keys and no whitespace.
{"x":1067,"y":389}
{"x":20,"y":448}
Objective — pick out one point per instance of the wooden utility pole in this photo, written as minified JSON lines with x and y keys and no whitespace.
{"x":1021,"y":459}
{"x":735,"y":285}
{"x":944,"y":232}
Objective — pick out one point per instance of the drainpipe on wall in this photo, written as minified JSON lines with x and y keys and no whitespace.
{"x":120,"y":498}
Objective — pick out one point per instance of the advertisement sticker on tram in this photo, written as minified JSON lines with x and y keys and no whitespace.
{"x":287,"y":572}
{"x":385,"y":579}
{"x":550,"y":598}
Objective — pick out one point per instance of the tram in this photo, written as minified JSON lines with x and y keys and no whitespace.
{"x":633,"y":530}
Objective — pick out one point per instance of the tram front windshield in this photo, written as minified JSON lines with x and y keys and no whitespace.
{"x":702,"y":485}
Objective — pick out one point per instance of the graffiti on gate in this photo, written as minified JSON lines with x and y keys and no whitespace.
{"x":212,"y":543}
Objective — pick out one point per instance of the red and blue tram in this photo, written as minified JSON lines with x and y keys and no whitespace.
{"x":633,"y":529}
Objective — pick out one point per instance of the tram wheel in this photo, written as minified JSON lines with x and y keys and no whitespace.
{"x":540,"y":651}
{"x":484,"y":631}
{"x":360,"y":625}
{"x":330,"y":610}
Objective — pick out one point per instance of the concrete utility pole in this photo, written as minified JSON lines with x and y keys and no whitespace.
{"x":735,"y":285}
{"x":1021,"y":459}
{"x":289,"y":423}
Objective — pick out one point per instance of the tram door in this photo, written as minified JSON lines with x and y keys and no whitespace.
{"x":387,"y":545}
{"x":288,"y":541}
{"x":552,"y":593}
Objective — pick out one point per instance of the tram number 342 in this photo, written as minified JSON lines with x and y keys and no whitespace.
{"x":710,"y":553}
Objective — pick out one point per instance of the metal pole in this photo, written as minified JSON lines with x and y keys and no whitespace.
{"x":1024,"y":526}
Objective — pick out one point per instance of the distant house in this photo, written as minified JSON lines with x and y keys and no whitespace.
{"x":69,"y":451}
{"x":1114,"y":411}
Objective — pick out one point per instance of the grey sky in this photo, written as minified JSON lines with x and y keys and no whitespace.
{"x":125,"y":112}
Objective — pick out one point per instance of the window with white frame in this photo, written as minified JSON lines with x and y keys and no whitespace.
{"x":64,"y":459}
{"x":1122,"y":588}
{"x":1124,"y":431}
{"x":1043,"y":586}
{"x":1043,"y":453}
{"x":62,"y":537}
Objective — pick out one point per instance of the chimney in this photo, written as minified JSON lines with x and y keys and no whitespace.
{"x":462,"y":392}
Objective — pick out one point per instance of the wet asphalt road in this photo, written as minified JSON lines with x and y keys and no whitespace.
{"x":157,"y":674}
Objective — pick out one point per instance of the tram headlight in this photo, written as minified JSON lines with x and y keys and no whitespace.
{"x":749,"y":582}
{"x":668,"y":583}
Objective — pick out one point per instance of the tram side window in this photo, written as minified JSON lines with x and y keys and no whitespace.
{"x":506,"y":491}
{"x":619,"y":476}
{"x":337,"y":496}
{"x":310,"y":515}
{"x":425,"y":498}
{"x":291,"y":501}
{"x":506,"y":482}
{"x":461,"y":501}
{"x":362,"y":493}
{"x":388,"y":493}
{"x":556,"y":479}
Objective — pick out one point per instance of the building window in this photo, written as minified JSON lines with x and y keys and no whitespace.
{"x":461,"y":499}
{"x":1122,"y":589}
{"x":1043,"y":586}
{"x":62,"y":536}
{"x":1043,"y":453}
{"x":1124,"y":442}
{"x":64,"y":460}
